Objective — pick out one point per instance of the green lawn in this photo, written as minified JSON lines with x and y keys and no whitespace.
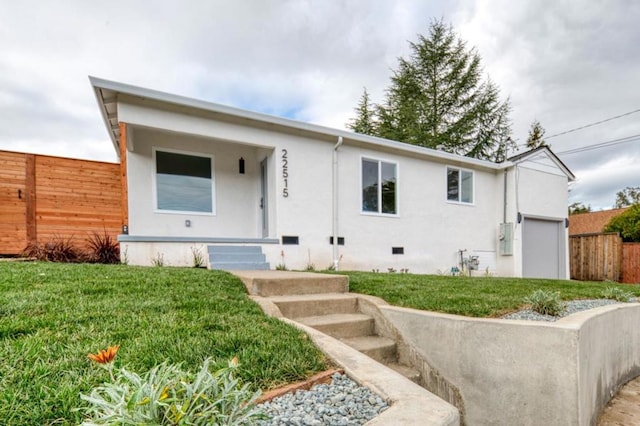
{"x":53,"y":315}
{"x":475,"y":297}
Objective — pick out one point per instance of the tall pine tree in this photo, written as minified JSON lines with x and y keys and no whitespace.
{"x":438,"y":99}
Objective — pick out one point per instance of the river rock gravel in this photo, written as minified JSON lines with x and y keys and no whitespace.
{"x":569,"y":308}
{"x":341,"y":403}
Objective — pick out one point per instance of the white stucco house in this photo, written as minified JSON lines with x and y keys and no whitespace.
{"x":254,"y":190}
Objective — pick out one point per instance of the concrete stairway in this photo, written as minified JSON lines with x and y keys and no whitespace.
{"x":237,"y":258}
{"x":322,"y":301}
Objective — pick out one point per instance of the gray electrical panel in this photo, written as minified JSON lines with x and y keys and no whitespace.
{"x":506,"y":239}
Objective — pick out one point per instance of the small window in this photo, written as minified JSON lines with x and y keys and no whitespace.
{"x":459,"y":185}
{"x":379,"y":181}
{"x":184,"y":183}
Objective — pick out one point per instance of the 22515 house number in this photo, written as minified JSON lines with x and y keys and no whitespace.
{"x":285,"y":173}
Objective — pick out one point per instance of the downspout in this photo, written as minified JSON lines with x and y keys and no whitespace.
{"x":335,"y":203}
{"x":504,"y":209}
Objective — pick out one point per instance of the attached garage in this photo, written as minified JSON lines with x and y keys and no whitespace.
{"x":543,"y":248}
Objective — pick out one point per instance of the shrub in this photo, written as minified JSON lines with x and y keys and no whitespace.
{"x":103,"y":249}
{"x":56,"y":250}
{"x":545,"y":302}
{"x":616,"y":293}
{"x":627,"y":224}
{"x":166,"y":395}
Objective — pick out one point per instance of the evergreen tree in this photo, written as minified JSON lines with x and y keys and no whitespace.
{"x":438,"y":99}
{"x":536,"y":135}
{"x":365,"y":116}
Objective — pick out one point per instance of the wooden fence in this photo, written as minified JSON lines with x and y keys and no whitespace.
{"x":595,"y":257}
{"x":43,"y":198}
{"x":600,"y":257}
{"x":631,"y":263}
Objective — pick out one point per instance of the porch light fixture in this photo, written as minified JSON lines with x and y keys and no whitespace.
{"x":241,"y":165}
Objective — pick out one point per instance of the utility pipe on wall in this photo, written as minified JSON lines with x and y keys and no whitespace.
{"x":335,"y":203}
{"x":504,"y":210}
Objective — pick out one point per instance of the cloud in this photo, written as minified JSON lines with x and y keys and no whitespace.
{"x":564,"y":63}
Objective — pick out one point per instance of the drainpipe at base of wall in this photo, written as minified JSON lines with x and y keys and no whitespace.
{"x":335,"y":203}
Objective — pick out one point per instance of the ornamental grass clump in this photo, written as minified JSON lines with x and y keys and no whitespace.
{"x":616,"y":293}
{"x":545,"y":302}
{"x":167,"y":395}
{"x":103,"y":249}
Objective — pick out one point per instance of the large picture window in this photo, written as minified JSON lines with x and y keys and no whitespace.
{"x":184,"y":182}
{"x":379,"y":182}
{"x":459,"y":185}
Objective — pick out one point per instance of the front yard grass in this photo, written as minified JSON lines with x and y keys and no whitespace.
{"x":474,"y":297}
{"x":53,"y":315}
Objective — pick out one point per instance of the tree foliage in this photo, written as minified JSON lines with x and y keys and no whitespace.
{"x":577,"y":207}
{"x":627,"y":224}
{"x":536,"y":136}
{"x":438,"y":99}
{"x":628,"y":196}
{"x":365,"y":116}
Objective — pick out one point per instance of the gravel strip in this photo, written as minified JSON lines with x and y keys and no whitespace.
{"x":341,"y":403}
{"x":569,"y":308}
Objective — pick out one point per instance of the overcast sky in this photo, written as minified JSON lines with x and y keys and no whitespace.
{"x":564,"y":63}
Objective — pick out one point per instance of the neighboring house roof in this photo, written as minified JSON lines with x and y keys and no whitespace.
{"x":543,"y":150}
{"x":107,"y":95}
{"x":591,"y":222}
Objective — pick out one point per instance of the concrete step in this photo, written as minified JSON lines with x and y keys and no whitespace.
{"x":379,"y":348}
{"x":279,"y":283}
{"x":237,"y":257}
{"x":239,"y":266}
{"x":234,"y":249}
{"x":300,"y":306}
{"x":341,"y":325}
{"x":406,"y":371}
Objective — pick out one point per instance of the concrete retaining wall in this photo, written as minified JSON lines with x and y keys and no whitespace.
{"x":525,"y":372}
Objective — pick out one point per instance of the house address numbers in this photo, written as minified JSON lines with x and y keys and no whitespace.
{"x":285,"y":174}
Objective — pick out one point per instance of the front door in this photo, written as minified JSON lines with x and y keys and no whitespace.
{"x":264,"y":198}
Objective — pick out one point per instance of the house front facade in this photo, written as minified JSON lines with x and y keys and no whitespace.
{"x":197,"y":176}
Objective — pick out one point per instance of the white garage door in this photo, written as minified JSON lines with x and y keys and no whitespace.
{"x":543,"y":252}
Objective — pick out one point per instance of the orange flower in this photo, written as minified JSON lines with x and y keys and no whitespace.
{"x":105,"y":356}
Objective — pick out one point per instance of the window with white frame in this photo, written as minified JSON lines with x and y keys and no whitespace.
{"x":184,"y":182}
{"x":379,"y":187}
{"x":459,"y":185}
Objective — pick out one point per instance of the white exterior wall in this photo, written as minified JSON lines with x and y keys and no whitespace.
{"x":429,"y":228}
{"x":541,"y":191}
{"x":240,"y":218}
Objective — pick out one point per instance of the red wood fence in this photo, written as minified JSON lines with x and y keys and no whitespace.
{"x":631,"y":263}
{"x":43,"y":198}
